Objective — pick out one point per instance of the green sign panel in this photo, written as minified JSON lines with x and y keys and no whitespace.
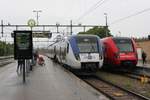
{"x":22,"y":40}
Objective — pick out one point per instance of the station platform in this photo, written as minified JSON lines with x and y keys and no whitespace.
{"x":140,"y":63}
{"x":50,"y":82}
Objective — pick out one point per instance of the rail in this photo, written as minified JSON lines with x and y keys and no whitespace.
{"x":5,"y":57}
{"x":113,"y":91}
{"x":5,"y":60}
{"x":137,"y":71}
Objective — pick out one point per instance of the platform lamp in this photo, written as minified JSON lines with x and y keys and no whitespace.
{"x":106,"y":23}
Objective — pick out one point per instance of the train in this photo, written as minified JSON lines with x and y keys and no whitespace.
{"x":119,"y":51}
{"x":79,"y":52}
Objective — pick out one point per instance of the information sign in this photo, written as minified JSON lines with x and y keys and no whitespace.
{"x":42,"y":34}
{"x":23,"y":44}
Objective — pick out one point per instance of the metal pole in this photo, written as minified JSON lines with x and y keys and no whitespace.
{"x":24,"y":79}
{"x":37,"y":15}
{"x":2,"y":27}
{"x":16,"y":27}
{"x":43,"y":28}
{"x":71,"y":27}
{"x":106,"y":23}
{"x":84,"y":28}
{"x":37,"y":18}
{"x":57,"y":25}
{"x":57,"y":28}
{"x":5,"y":49}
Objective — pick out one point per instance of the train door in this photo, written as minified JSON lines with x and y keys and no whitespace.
{"x":67,"y":51}
{"x":54,"y":53}
{"x":60,"y":54}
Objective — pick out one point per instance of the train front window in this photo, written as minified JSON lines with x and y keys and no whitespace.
{"x":124,"y":45}
{"x":87,"y":44}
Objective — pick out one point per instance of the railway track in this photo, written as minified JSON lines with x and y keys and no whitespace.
{"x":137,"y":73}
{"x":113,"y":91}
{"x":6,"y":60}
{"x":141,"y":71}
{"x":137,"y":77}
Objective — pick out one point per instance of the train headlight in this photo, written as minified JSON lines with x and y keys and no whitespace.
{"x":77,"y":56}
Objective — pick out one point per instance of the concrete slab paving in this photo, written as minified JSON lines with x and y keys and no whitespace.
{"x":50,"y":82}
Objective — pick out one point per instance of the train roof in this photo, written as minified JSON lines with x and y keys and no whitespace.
{"x":83,"y":35}
{"x":116,"y":38}
{"x":121,"y":38}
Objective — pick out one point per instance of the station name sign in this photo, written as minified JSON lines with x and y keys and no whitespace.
{"x":42,"y":34}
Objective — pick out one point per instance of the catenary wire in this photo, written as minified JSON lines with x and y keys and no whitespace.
{"x":132,"y":15}
{"x":95,"y":6}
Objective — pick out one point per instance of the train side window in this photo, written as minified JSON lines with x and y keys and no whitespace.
{"x":67,"y":47}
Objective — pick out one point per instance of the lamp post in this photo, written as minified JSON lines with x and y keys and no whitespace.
{"x":37,"y":15}
{"x":119,"y":33}
{"x":106,"y":23}
{"x":57,"y":25}
{"x":70,"y":27}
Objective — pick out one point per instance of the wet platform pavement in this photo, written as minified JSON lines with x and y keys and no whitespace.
{"x":50,"y":82}
{"x":147,"y":64}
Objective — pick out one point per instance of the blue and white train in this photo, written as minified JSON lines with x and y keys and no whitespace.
{"x":81,"y":52}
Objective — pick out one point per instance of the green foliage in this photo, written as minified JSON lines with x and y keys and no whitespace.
{"x":99,"y":31}
{"x":6,"y":49}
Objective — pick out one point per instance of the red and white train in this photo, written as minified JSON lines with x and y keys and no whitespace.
{"x":119,"y":51}
{"x":78,"y":52}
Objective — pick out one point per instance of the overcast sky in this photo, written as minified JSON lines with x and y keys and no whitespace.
{"x":62,"y":11}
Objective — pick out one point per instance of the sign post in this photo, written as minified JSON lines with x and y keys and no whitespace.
{"x":23,"y":47}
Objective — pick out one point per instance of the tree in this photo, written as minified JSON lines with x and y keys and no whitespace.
{"x":6,"y":49}
{"x":99,"y":31}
